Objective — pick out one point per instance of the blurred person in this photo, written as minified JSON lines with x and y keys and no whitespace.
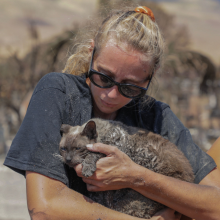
{"x":127,"y":51}
{"x":214,"y":152}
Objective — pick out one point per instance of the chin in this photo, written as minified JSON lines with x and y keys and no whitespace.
{"x":108,"y":110}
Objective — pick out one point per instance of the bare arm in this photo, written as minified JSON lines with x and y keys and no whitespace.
{"x":197,"y":201}
{"x":50,"y":199}
{"x":118,"y":171}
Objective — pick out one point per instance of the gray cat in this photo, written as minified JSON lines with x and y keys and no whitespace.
{"x":143,"y":147}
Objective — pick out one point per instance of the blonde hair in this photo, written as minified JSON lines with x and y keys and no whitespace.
{"x":135,"y":29}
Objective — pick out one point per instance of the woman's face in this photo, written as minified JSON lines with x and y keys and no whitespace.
{"x":123,"y":66}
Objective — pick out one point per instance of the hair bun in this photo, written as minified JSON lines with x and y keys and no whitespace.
{"x":145,"y":10}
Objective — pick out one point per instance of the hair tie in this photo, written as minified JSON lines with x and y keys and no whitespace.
{"x":145,"y":10}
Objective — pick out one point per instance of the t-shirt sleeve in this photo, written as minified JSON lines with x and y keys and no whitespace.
{"x":173,"y":130}
{"x":36,"y":144}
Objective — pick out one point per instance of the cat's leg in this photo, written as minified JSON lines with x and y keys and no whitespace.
{"x":89,"y":163}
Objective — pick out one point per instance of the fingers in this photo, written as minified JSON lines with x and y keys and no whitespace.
{"x":102,"y":148}
{"x":92,"y":188}
{"x":93,"y":185}
{"x":78,"y":169}
{"x":165,"y":211}
{"x":90,"y":181}
{"x":167,"y":214}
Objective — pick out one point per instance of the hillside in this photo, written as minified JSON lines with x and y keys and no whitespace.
{"x":50,"y":16}
{"x":53,"y":16}
{"x":202,"y":17}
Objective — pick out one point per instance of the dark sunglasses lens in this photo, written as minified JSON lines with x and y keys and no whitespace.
{"x":101,"y":80}
{"x":131,"y":91}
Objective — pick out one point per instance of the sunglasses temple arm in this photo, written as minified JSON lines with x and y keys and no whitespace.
{"x":150,"y":81}
{"x":90,"y":65}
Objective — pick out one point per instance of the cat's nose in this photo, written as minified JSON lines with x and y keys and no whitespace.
{"x":68,"y":159}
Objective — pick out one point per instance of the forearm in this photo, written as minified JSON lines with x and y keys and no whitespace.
{"x":72,"y":205}
{"x":51,"y":199}
{"x":196,"y":201}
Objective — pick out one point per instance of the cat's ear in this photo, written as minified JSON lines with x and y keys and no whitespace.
{"x":90,"y":130}
{"x":64,"y":129}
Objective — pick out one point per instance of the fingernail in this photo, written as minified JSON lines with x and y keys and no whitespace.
{"x":89,"y":146}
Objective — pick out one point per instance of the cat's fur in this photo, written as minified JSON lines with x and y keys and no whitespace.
{"x":143,"y":147}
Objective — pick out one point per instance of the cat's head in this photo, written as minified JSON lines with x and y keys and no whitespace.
{"x":74,"y":140}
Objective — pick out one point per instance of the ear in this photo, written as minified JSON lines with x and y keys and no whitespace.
{"x":65,"y":129}
{"x":92,"y":45}
{"x":90,"y":130}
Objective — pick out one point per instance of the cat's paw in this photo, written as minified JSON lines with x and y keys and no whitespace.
{"x":88,"y":170}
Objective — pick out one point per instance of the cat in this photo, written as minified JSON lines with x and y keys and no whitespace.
{"x":143,"y":147}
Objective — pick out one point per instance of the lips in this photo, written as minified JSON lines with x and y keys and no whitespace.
{"x":108,"y":104}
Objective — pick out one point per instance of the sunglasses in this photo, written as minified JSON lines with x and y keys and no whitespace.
{"x":103,"y":81}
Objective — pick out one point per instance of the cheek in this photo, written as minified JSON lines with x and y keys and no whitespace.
{"x":96,"y":91}
{"x":125,"y":100}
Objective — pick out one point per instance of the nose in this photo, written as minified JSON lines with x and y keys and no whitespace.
{"x":113,"y":92}
{"x":68,"y":159}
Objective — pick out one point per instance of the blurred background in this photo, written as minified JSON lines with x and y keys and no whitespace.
{"x":37,"y":36}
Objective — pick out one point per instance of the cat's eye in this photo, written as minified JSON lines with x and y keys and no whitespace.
{"x":78,"y":148}
{"x":63,"y":148}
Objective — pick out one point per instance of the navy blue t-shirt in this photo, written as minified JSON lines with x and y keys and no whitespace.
{"x":66,"y":99}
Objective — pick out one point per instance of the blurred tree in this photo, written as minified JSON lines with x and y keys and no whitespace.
{"x":18,"y":76}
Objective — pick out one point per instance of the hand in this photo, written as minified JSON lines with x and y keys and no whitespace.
{"x":167,"y":214}
{"x":113,"y":172}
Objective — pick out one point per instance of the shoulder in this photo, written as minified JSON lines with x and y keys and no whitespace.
{"x":67,"y":95}
{"x":165,"y":122}
{"x":161,"y":120}
{"x":152,"y":114}
{"x":161,"y":106}
{"x":63,"y":82}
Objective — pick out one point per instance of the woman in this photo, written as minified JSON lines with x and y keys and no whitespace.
{"x":127,"y":53}
{"x":214,"y":152}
